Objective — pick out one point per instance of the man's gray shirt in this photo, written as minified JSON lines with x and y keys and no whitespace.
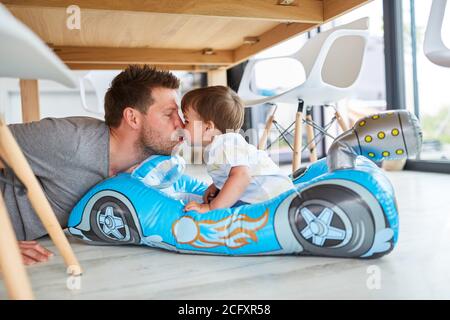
{"x":68,"y":157}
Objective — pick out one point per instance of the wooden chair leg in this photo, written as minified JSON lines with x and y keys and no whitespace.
{"x":342,"y":123}
{"x":18,"y":163}
{"x":15,"y":277}
{"x":297,"y":157}
{"x":263,"y":140}
{"x":310,"y":136}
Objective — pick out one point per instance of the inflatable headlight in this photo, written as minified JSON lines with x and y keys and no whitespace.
{"x":388,"y":135}
{"x":160,"y":171}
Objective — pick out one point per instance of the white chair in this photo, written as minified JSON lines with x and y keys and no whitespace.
{"x":332,"y":61}
{"x":24,"y":55}
{"x":100,"y":81}
{"x":433,"y":46}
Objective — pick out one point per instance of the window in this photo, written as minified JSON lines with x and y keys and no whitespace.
{"x":280,"y":74}
{"x":427,"y":84}
{"x":369,"y":95}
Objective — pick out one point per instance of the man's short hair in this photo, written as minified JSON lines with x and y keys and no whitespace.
{"x":133,"y":88}
{"x":218,"y":104}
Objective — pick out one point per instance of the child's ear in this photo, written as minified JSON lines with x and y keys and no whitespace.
{"x":210,"y":126}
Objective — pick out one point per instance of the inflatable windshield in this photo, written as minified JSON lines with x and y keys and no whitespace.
{"x":341,"y":206}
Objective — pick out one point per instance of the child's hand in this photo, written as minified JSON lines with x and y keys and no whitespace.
{"x":210,"y":193}
{"x":199,"y":207}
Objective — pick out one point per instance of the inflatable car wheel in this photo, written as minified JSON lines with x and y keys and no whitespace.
{"x":113,"y":218}
{"x":332,"y":220}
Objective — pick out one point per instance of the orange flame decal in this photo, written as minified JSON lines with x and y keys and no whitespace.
{"x":233,"y":231}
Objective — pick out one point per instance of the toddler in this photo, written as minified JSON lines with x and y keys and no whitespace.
{"x":241,"y":173}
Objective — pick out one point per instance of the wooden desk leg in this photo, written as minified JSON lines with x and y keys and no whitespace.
{"x":16,"y":160}
{"x":297,"y":158}
{"x":29,"y":93}
{"x":14,"y":274}
{"x":263,"y":140}
{"x":341,"y":121}
{"x":310,"y":135}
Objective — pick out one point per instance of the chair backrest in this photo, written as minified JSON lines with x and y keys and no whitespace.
{"x":245,"y":91}
{"x":325,"y":57}
{"x":24,"y":55}
{"x":433,"y":35}
{"x":100,"y":80}
{"x":341,"y":66}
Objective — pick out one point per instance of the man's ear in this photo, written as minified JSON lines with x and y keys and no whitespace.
{"x":132,"y":117}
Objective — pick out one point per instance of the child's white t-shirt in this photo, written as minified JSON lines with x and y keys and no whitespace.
{"x":230,"y":150}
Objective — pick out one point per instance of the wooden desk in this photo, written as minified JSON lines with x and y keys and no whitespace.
{"x":195,"y":35}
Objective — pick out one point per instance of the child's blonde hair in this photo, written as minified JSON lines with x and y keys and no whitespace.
{"x":218,"y":104}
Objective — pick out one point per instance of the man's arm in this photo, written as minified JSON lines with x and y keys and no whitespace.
{"x":31,"y":251}
{"x":32,"y":139}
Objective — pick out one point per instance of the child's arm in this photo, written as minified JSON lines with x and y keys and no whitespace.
{"x":210,"y":193}
{"x":236,"y":184}
{"x":238,"y":180}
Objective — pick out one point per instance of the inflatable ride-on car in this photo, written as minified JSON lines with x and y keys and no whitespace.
{"x":342,"y":206}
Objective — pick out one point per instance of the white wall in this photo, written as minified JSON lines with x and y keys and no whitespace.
{"x":55,"y":100}
{"x":59,"y":101}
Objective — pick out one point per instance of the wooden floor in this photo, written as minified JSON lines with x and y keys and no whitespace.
{"x":419,"y":267}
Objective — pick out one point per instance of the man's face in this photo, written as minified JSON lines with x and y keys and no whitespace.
{"x":159,"y":132}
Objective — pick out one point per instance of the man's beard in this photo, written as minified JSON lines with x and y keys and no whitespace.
{"x":150,"y":143}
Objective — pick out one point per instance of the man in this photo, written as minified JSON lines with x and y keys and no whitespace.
{"x":70,"y":155}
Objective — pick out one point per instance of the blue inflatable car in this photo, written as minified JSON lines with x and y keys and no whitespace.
{"x":341,"y":206}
